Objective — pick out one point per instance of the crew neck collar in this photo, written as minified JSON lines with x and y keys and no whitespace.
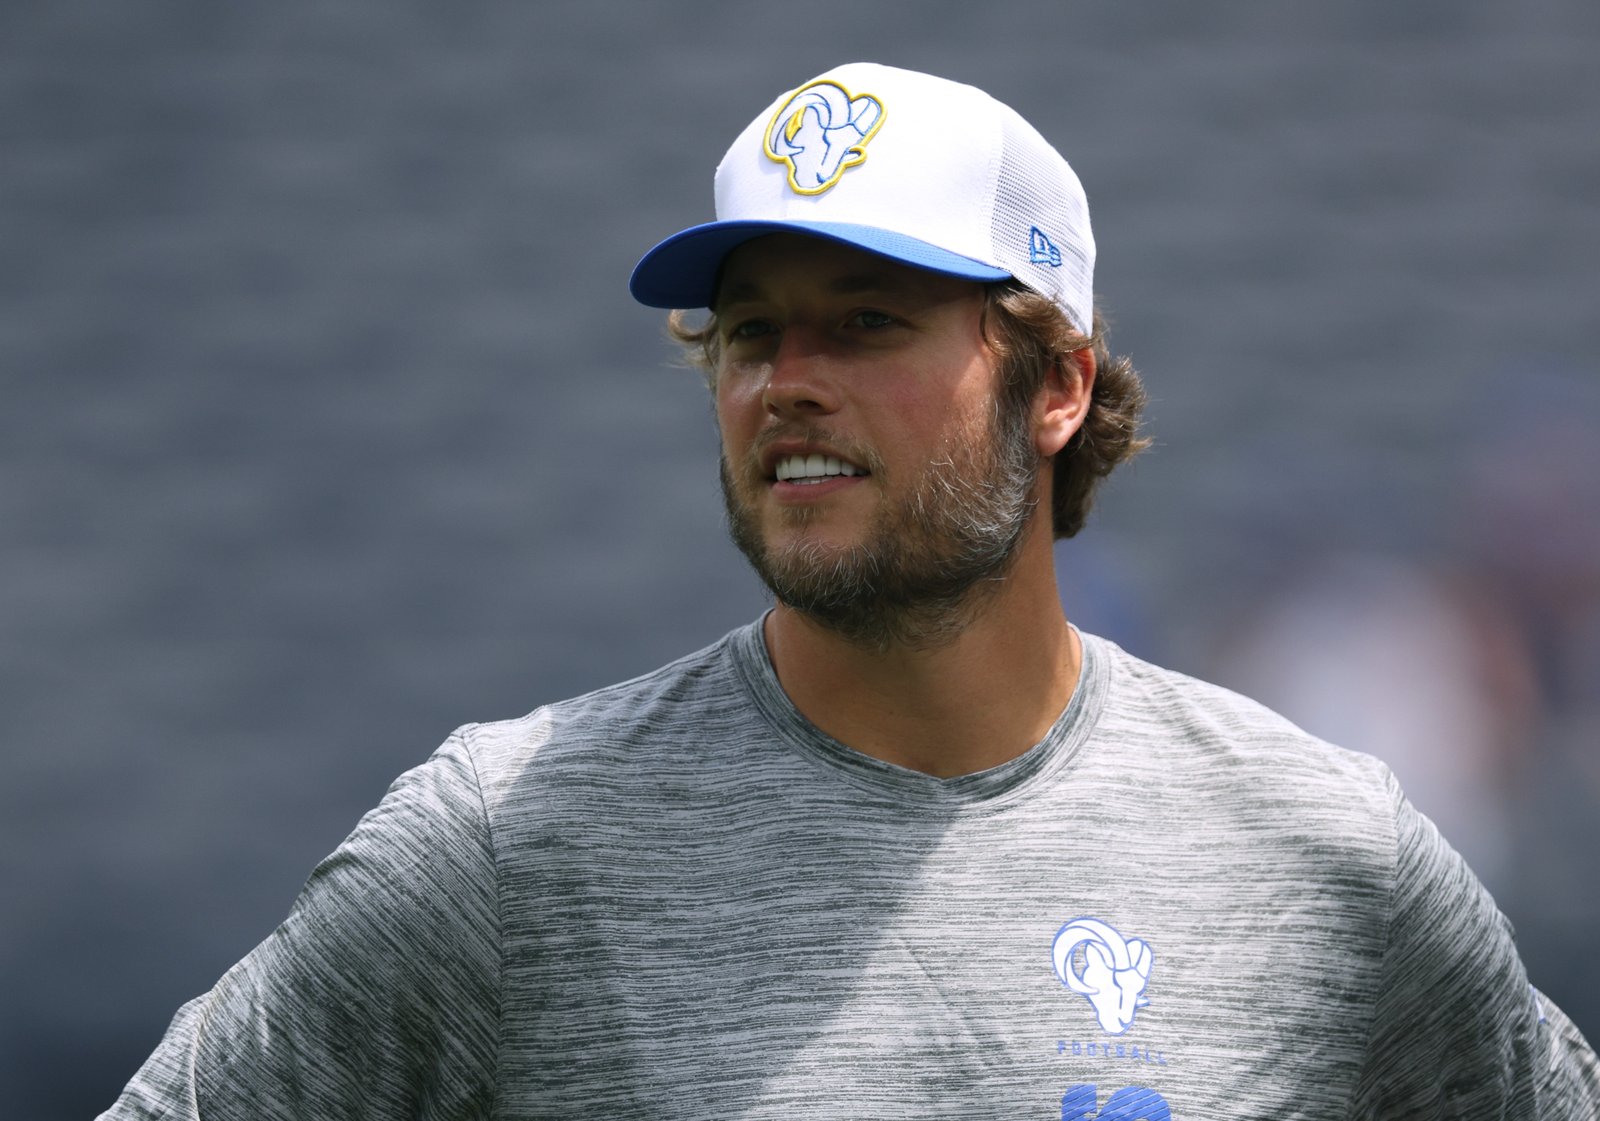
{"x":987,"y":789}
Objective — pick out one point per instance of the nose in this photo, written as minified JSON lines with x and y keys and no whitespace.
{"x":800,"y":380}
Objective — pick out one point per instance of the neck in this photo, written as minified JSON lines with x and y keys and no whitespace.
{"x":972,"y":701}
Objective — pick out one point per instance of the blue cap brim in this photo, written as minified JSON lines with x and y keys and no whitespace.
{"x":682,"y":271}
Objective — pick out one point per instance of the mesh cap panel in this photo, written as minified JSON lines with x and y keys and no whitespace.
{"x":1040,"y":224}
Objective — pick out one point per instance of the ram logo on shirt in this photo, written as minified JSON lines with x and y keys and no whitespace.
{"x":1111,"y":973}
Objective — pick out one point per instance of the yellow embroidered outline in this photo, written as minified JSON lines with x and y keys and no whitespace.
{"x":854,"y":155}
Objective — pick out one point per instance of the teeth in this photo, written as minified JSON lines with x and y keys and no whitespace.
{"x":792,"y":467}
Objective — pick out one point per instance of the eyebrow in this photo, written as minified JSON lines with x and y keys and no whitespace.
{"x":850,"y":284}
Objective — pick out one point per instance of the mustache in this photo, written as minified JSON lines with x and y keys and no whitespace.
{"x":815,"y":435}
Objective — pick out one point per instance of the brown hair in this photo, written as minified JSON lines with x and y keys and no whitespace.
{"x":1029,"y":334}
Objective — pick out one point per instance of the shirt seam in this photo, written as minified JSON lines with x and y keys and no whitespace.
{"x":463,"y":736}
{"x":1385,"y":968}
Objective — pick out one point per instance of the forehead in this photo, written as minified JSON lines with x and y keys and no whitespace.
{"x":785,"y":264}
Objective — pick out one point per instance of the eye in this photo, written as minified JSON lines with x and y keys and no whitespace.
{"x":749,"y":329}
{"x":871,"y":320}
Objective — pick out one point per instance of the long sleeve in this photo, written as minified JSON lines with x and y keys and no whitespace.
{"x":377,"y":997}
{"x":1459,"y":1031}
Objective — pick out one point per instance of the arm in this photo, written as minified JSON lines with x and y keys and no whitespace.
{"x":377,"y":997}
{"x":1459,"y":1032}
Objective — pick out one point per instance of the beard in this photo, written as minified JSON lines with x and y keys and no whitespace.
{"x":927,"y":561}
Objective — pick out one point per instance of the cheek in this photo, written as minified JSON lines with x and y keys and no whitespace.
{"x":738,"y":409}
{"x":936,"y":412}
{"x":907,"y":397}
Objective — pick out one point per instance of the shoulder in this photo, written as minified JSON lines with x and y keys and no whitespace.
{"x":657,"y":722}
{"x":1209,"y":735}
{"x":1458,"y":1030}
{"x":1251,"y":814}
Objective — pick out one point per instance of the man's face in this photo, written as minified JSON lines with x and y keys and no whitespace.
{"x":869,"y":475}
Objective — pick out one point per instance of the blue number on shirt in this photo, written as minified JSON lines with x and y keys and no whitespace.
{"x":1131,"y":1103}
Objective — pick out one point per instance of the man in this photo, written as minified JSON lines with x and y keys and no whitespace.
{"x":910,"y":845}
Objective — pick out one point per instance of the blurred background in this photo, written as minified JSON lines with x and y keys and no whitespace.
{"x":327,"y":424}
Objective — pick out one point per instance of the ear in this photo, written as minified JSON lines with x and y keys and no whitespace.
{"x":1062,"y":403}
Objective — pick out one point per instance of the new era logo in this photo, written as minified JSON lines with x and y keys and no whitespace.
{"x":1041,"y":250}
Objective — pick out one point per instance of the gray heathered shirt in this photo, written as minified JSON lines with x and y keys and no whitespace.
{"x":675,"y":898}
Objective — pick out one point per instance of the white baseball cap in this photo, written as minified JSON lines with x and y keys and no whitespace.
{"x":919,"y":169}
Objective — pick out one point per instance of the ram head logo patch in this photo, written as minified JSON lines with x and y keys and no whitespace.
{"x":821,"y":131}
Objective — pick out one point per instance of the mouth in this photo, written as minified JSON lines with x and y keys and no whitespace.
{"x":812,"y":469}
